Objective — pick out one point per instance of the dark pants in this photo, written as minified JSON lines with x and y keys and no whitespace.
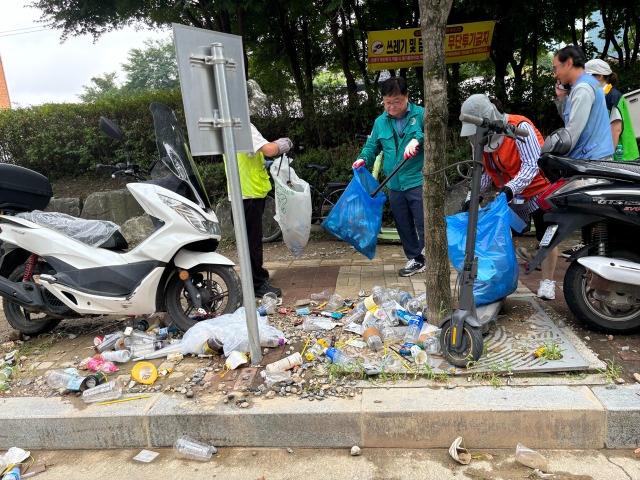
{"x":408,"y":216}
{"x":253,"y":210}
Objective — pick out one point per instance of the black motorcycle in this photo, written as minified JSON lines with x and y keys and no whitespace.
{"x":602,"y":198}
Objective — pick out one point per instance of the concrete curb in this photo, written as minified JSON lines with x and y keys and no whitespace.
{"x":544,"y":417}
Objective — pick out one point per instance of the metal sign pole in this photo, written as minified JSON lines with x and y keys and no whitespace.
{"x":224,"y":121}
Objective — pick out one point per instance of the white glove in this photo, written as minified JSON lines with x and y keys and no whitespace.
{"x":411,"y":149}
{"x":284,"y":145}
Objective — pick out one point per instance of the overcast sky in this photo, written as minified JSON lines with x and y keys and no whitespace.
{"x":39,"y":69}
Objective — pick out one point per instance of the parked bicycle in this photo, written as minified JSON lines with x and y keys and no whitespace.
{"x":324,"y":195}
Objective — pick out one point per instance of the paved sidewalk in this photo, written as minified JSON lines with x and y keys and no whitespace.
{"x":540,"y":411}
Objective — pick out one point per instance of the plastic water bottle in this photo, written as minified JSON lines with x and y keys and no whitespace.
{"x":617,"y":155}
{"x":413,"y":330}
{"x":120,"y":356}
{"x":393,"y":334}
{"x":109,"y":342}
{"x":430,"y":344}
{"x":71,"y":380}
{"x":270,"y":301}
{"x":334,"y":303}
{"x":403,"y":297}
{"x":272,"y":342}
{"x":373,"y":338}
{"x":339,"y":357}
{"x":13,"y":474}
{"x":376,"y":298}
{"x":357,"y":314}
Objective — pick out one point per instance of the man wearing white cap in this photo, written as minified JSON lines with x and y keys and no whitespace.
{"x":624,"y":140}
{"x":512,"y":166}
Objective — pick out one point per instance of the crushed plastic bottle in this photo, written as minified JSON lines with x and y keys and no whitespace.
{"x":338,"y":357}
{"x":335,"y":302}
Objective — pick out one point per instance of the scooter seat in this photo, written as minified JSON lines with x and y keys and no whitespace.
{"x":97,"y":233}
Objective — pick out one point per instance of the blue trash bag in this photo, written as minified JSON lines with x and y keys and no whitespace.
{"x":356,"y":217}
{"x":497,"y":263}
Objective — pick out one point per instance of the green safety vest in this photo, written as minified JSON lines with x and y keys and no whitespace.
{"x":254,"y":179}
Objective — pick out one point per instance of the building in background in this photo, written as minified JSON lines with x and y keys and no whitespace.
{"x":5,"y":102}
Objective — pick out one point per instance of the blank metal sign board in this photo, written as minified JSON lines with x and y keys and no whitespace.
{"x":198,"y":86}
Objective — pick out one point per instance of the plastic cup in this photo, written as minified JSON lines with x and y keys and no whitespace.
{"x":102,"y":393}
{"x":185,"y":447}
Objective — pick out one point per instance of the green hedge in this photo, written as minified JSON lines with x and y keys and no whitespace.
{"x":63,"y":140}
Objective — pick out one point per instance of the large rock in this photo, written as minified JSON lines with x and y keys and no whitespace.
{"x":225,"y":217}
{"x":117,"y":206}
{"x":137,"y":229}
{"x":70,"y":206}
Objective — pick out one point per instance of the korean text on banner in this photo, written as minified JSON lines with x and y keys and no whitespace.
{"x":466,"y":42}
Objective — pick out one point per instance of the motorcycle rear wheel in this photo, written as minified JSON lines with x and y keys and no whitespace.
{"x":593,"y":312}
{"x":29,"y":323}
{"x":220,"y":292}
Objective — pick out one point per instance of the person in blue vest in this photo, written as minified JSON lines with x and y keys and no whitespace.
{"x":255,"y":184}
{"x":585,"y":112}
{"x":399,"y":133}
{"x":624,"y":138}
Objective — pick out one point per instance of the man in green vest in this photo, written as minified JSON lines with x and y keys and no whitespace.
{"x":255,"y":184}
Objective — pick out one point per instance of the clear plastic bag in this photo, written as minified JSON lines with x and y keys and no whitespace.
{"x":293,"y":205}
{"x":91,"y":232}
{"x":356,"y":217}
{"x":230,"y":329}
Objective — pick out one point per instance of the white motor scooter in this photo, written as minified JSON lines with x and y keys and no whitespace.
{"x":55,"y":266}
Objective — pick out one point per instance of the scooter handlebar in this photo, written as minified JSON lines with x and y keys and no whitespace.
{"x":498,"y":127}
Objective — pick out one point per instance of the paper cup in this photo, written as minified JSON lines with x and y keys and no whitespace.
{"x":419,"y":355}
{"x":235,"y":359}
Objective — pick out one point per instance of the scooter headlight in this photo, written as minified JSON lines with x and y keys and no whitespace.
{"x":192,"y":216}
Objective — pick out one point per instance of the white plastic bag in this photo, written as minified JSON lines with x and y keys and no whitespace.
{"x":293,"y":205}
{"x":230,"y":329}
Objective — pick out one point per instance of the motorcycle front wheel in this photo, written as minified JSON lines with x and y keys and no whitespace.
{"x":26,"y":321}
{"x":220,"y":292}
{"x":594,"y":312}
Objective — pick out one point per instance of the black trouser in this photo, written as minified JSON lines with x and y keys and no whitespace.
{"x":253,"y":211}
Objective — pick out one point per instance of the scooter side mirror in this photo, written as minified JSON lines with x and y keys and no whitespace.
{"x":558,"y":143}
{"x":111,"y":129}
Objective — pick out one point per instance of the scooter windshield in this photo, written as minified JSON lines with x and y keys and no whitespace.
{"x":174,"y":153}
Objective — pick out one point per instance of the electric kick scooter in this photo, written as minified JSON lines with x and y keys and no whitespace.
{"x":461,"y":338}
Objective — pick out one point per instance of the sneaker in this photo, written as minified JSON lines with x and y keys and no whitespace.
{"x":572,"y":250}
{"x":263,"y":288}
{"x":527,"y":255}
{"x":411,"y":268}
{"x":547,"y":290}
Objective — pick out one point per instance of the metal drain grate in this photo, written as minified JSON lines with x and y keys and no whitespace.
{"x":511,"y":343}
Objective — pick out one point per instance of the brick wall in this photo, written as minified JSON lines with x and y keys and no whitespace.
{"x":5,"y":102}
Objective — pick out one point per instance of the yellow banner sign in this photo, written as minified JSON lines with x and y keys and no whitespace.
{"x":466,"y":42}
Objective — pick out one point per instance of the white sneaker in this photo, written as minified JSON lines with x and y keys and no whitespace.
{"x":547,"y":290}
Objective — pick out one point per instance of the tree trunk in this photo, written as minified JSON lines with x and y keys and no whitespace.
{"x":433,"y":21}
